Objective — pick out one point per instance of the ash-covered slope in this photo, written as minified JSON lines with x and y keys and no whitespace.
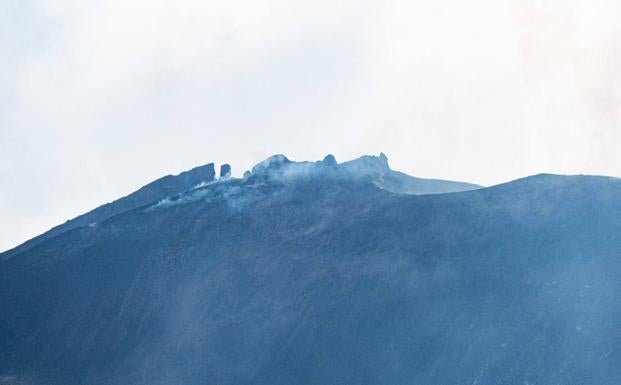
{"x":158,"y":189}
{"x":300,"y":273}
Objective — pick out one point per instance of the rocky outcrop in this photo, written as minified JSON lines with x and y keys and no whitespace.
{"x":225,"y":171}
{"x":329,"y":160}
{"x":272,"y":163}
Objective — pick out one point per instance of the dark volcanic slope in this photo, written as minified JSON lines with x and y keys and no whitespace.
{"x":303,"y":274}
{"x":163,"y":187}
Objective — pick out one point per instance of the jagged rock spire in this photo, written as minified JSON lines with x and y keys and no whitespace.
{"x":225,"y":171}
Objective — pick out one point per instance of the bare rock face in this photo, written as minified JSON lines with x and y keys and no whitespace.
{"x":329,"y":160}
{"x":274,"y":162}
{"x":225,"y":171}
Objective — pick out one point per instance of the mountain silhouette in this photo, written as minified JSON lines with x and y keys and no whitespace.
{"x":324,"y":273}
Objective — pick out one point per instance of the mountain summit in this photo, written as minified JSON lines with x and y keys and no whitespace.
{"x":324,"y":273}
{"x":373,"y":169}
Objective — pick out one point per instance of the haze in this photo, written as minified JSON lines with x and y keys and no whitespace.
{"x":99,"y":97}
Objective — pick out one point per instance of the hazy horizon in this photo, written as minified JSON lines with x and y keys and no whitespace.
{"x":98,"y":98}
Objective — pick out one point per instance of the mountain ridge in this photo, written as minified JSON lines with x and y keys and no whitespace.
{"x":185,"y":181}
{"x":166,"y":185}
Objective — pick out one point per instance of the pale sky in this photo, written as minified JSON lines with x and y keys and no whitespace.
{"x":99,"y":97}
